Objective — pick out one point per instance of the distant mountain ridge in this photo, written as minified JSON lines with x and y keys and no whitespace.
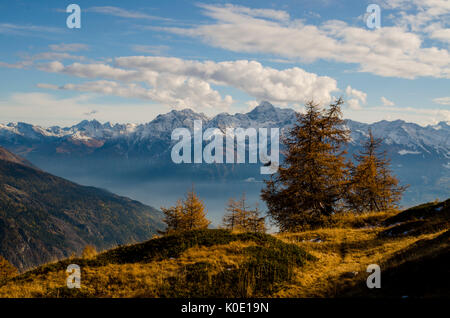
{"x":44,"y":217}
{"x":5,"y":155}
{"x":411,"y":135}
{"x":420,"y":155}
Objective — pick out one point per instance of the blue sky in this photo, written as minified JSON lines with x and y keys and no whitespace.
{"x":132,"y":60}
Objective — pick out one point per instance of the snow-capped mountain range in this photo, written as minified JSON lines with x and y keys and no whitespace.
{"x":414,"y":138}
{"x":420,"y":155}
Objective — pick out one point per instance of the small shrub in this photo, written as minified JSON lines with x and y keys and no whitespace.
{"x":7,"y":270}
{"x":89,"y":252}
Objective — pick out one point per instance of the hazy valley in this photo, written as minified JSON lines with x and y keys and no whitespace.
{"x":134,"y":160}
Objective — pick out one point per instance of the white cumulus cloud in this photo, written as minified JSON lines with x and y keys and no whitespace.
{"x":387,"y":102}
{"x":190,"y":84}
{"x":264,"y":83}
{"x":388,"y":51}
{"x":356,"y":97}
{"x":442,"y":100}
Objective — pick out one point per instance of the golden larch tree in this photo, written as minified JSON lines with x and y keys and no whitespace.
{"x":230,"y":219}
{"x":372,"y":187}
{"x":310,"y":183}
{"x":240,"y":217}
{"x":194,"y":213}
{"x":188,"y":214}
{"x":256,"y":222}
{"x":173,"y":217}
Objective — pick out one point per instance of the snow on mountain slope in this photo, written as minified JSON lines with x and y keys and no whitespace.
{"x":412,"y":137}
{"x":139,"y":152}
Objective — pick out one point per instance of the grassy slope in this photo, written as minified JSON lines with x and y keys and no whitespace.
{"x":412,"y":248}
{"x":204,"y":263}
{"x":413,"y":255}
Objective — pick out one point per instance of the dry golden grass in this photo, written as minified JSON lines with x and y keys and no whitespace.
{"x":350,"y":245}
{"x":341,"y":251}
{"x":220,"y":256}
{"x":129,"y":280}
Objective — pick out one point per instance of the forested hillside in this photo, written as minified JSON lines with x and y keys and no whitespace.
{"x":44,"y":217}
